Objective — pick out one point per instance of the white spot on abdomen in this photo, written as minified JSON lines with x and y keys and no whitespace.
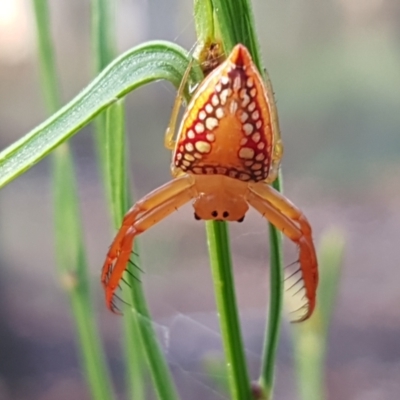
{"x":202,"y":147}
{"x":246,"y":153}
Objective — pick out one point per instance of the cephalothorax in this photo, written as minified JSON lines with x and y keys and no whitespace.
{"x":227,"y":151}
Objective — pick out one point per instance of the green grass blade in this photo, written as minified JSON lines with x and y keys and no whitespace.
{"x":116,"y":181}
{"x":115,"y":162}
{"x":103,"y":51}
{"x":111,"y":142}
{"x":204,"y":20}
{"x":143,"y":64}
{"x":47,"y":70}
{"x":74,"y":276}
{"x":141,"y":341}
{"x":221,"y":267}
{"x":236,"y":22}
{"x":135,"y":358}
{"x":103,"y":38}
{"x":271,"y":341}
{"x":310,"y":337}
{"x":161,"y":376}
{"x":330,"y":255}
{"x":69,"y":245}
{"x":274,"y":315}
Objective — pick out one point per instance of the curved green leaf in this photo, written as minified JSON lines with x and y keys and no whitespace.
{"x":138,"y":66}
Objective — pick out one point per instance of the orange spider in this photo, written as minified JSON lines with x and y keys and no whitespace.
{"x":227,"y":151}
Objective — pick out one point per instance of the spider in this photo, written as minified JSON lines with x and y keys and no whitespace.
{"x":226,"y":153}
{"x":210,"y":54}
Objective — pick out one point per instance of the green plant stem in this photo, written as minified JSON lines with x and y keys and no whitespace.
{"x":271,"y":341}
{"x":221,"y":264}
{"x":310,"y":338}
{"x":275,"y":310}
{"x":116,"y":183}
{"x":204,"y":20}
{"x":103,"y":50}
{"x":103,"y":27}
{"x":309,"y":356}
{"x":163,"y":382}
{"x":70,"y":251}
{"x":47,"y":68}
{"x":137,"y":323}
{"x":115,"y":162}
{"x":236,"y":22}
{"x":135,"y":359}
{"x":74,"y":276}
{"x":221,"y":267}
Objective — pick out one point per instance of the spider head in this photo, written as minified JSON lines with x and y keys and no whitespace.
{"x":220,"y":206}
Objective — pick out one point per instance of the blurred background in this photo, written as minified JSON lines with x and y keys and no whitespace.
{"x":335,"y":68}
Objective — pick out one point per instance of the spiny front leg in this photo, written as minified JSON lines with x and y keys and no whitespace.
{"x":143,"y":215}
{"x":290,"y":221}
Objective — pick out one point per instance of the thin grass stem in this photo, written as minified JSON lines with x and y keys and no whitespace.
{"x":236,"y":23}
{"x":70,"y":248}
{"x":140,"y":341}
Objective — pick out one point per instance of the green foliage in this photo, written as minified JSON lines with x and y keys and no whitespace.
{"x":311,"y":337}
{"x":70,"y":248}
{"x":143,"y":64}
{"x":233,"y":22}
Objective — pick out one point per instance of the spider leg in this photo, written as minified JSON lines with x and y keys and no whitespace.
{"x":143,"y":215}
{"x":169,"y":141}
{"x":281,"y":213}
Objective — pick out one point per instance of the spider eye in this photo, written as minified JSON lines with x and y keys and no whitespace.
{"x":214,"y":214}
{"x":196,"y":217}
{"x":225,"y":214}
{"x":241,"y":219}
